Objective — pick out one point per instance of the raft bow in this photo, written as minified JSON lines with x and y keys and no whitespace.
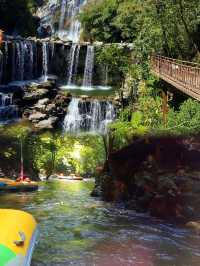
{"x":18,"y":235}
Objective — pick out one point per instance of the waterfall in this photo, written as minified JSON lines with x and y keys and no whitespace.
{"x":24,"y":60}
{"x":69,"y":26}
{"x":68,"y":11}
{"x":8,"y":111}
{"x":31,"y":60}
{"x":109,"y":117}
{"x":13,"y":61}
{"x":52,"y":45}
{"x":73,"y":119}
{"x":3,"y":62}
{"x":46,"y":13}
{"x":19,"y":71}
{"x":90,"y":116}
{"x":6,"y":53}
{"x":96,"y":115}
{"x":75,"y":25}
{"x":62,"y":15}
{"x":73,"y":63}
{"x":1,"y":67}
{"x":76,"y":62}
{"x":28,"y":60}
{"x":89,"y":66}
{"x":45,"y":61}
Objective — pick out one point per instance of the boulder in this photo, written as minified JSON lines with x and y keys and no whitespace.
{"x":50,"y":107}
{"x":41,"y":104}
{"x":47,"y":123}
{"x":43,"y":101}
{"x":37,"y":116}
{"x":35,"y":95}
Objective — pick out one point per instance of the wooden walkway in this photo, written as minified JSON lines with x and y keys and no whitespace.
{"x":183,"y":75}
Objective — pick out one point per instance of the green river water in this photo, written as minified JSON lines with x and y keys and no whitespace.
{"x":76,"y":229}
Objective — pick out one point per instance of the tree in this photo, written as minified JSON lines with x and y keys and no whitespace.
{"x":16,"y":17}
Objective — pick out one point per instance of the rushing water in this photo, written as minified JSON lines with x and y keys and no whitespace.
{"x":8,"y":111}
{"x":89,"y":66}
{"x":90,"y":116}
{"x":68,"y":12}
{"x":76,"y":229}
{"x":73,"y":63}
{"x":44,"y":60}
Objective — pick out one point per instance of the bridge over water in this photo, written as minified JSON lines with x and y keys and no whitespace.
{"x":183,"y":75}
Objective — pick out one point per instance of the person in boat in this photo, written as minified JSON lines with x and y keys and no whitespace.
{"x":23,"y":178}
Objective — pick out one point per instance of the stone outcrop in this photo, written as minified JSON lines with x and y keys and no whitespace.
{"x":47,"y":123}
{"x":43,"y":104}
{"x":159,"y":175}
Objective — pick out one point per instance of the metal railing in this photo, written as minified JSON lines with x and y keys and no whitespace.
{"x":183,"y":75}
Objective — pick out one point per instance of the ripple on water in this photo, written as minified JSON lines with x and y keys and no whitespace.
{"x":76,"y":229}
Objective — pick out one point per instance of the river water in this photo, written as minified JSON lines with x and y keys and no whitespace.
{"x":76,"y":229}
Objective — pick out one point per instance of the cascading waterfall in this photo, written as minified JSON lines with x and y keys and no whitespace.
{"x":109,"y":117}
{"x":73,"y":63}
{"x":75,"y":26}
{"x":68,"y":11}
{"x":76,"y":62}
{"x":89,"y":67}
{"x":62,"y":16}
{"x":23,"y":59}
{"x":20,"y":52}
{"x":8,"y":111}
{"x":13,"y":61}
{"x":3,"y":62}
{"x":45,"y":61}
{"x":68,"y":25}
{"x":73,"y":119}
{"x":28,"y":60}
{"x":52,"y":45}
{"x":90,"y":116}
{"x":47,"y":13}
{"x":1,"y":67}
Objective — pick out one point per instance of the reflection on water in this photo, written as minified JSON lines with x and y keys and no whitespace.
{"x":89,"y":91}
{"x":79,"y":230}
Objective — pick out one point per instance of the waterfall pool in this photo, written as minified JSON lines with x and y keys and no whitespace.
{"x":90,"y":91}
{"x":76,"y":229}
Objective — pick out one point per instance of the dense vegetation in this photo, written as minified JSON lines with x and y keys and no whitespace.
{"x":171,"y":27}
{"x":49,"y":153}
{"x":17,"y":16}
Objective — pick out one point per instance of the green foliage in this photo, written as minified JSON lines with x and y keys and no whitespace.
{"x":114,"y":60}
{"x":148,"y":118}
{"x":66,"y":154}
{"x":16,"y":17}
{"x":49,"y":153}
{"x":186,"y":120}
{"x":167,"y":26}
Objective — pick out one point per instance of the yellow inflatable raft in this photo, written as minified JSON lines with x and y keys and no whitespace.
{"x":18,"y":234}
{"x":10,"y":185}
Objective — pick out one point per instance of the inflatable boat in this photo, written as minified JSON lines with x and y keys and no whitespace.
{"x":9,"y":185}
{"x":70,"y":177}
{"x":18,"y":236}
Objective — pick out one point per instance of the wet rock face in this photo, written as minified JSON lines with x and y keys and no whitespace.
{"x":47,"y":123}
{"x":161,"y":175}
{"x":42,"y":104}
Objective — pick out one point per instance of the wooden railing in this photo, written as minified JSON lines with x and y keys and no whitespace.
{"x":183,"y":75}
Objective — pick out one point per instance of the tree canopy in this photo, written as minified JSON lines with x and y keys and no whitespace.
{"x":16,"y":17}
{"x":171,"y":27}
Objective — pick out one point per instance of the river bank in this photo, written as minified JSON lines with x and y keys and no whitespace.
{"x":160,"y":175}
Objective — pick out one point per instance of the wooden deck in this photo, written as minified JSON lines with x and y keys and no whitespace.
{"x":183,"y":75}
